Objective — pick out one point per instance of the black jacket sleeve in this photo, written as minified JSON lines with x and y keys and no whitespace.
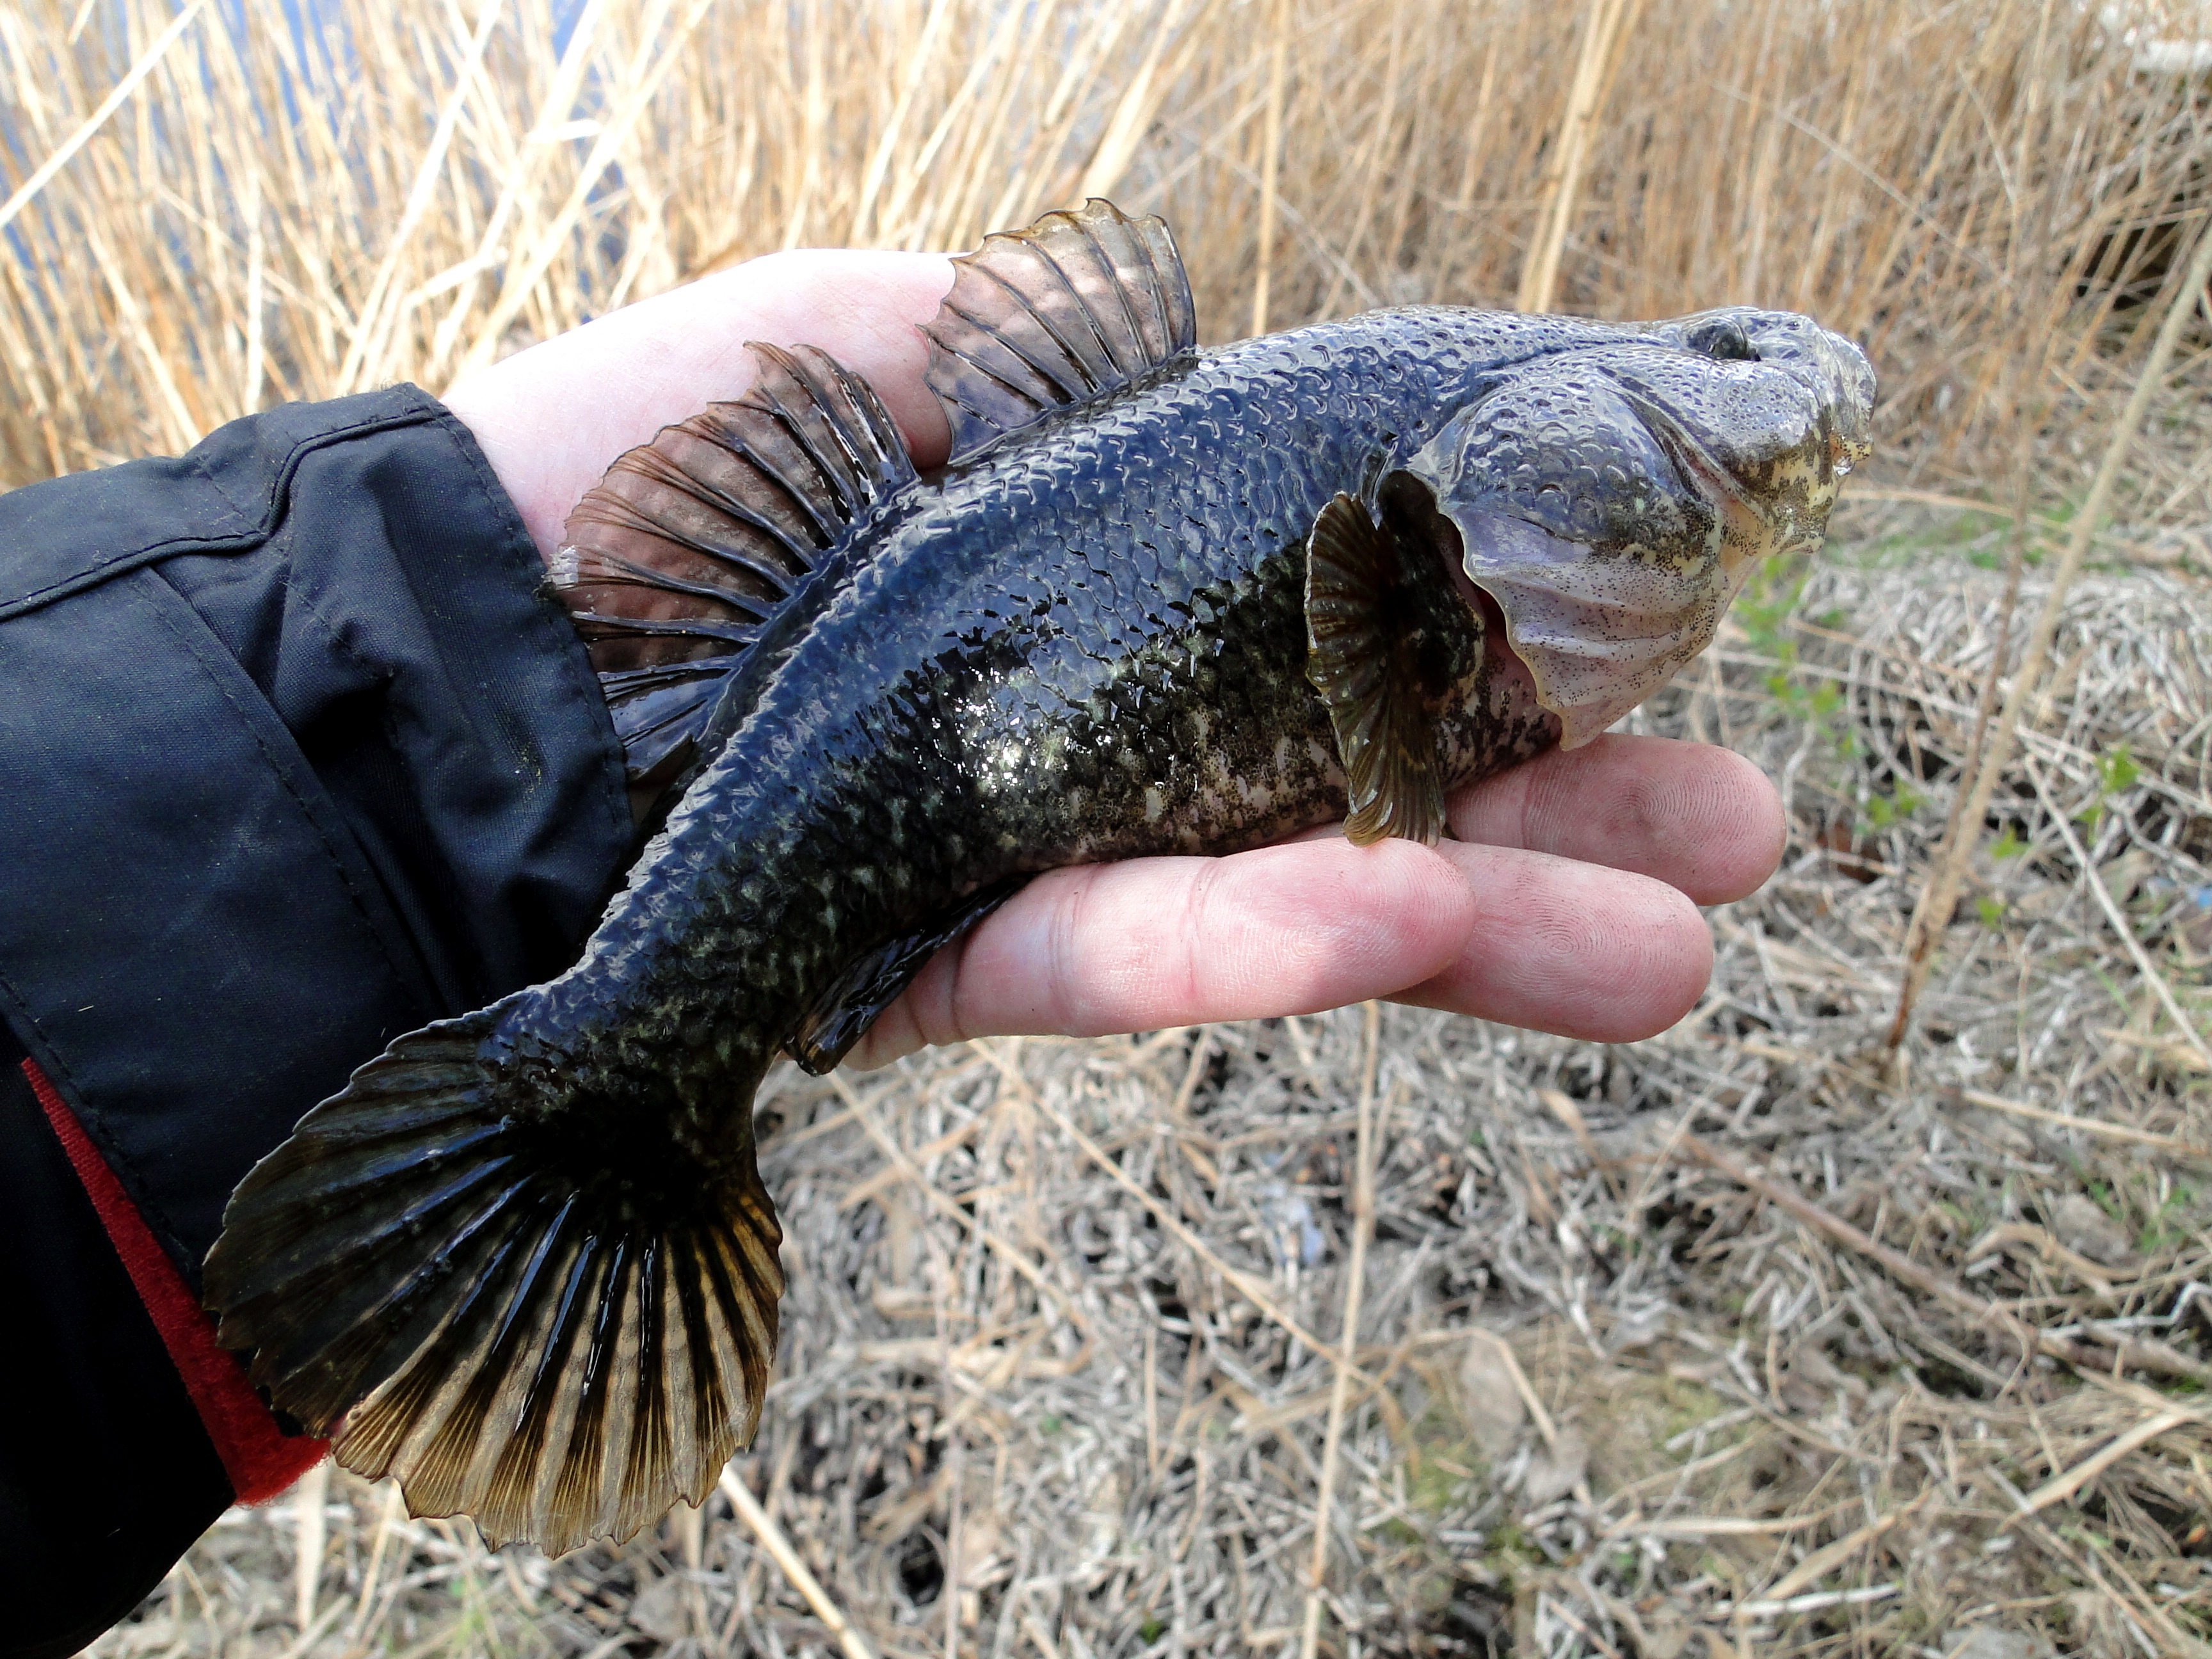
{"x":296,"y":754}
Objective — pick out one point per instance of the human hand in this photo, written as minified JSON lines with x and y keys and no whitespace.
{"x":552,"y":419}
{"x":1568,"y":904}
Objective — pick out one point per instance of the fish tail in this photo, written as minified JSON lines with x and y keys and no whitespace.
{"x":555,"y":1319}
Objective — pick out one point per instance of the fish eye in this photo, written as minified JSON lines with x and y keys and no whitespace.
{"x":1722,"y":340}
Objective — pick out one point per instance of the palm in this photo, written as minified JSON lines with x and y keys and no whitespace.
{"x":1567,"y":904}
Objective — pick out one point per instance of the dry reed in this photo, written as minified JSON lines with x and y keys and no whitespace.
{"x":299,"y":201}
{"x":1658,"y":1350}
{"x":1712,"y":1344}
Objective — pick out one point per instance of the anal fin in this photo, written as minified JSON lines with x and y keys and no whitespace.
{"x":843,"y":1013}
{"x":1389,"y":643}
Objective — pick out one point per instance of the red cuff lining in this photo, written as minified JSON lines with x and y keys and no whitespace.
{"x":260,"y":1461}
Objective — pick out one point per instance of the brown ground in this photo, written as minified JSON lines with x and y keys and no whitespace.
{"x":1610,"y":1396}
{"x":1054,"y":1308}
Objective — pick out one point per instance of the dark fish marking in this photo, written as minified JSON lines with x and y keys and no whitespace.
{"x":524,"y":1261}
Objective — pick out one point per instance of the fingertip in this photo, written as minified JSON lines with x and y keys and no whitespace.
{"x":1683,"y":968}
{"x":1701,"y":818}
{"x":1599,"y":954}
{"x":1742,"y":862}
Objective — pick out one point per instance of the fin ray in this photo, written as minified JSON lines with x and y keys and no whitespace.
{"x":1388,"y":640}
{"x":692,"y":544}
{"x":522,"y":1332}
{"x":1076,"y":305}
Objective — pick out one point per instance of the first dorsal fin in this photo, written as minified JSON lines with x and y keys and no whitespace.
{"x":673,"y":563}
{"x":1072,"y":307}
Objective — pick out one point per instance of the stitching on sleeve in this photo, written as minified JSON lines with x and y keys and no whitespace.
{"x":412,"y":980}
{"x":416,"y":414}
{"x":238,"y":509}
{"x":583,"y":686}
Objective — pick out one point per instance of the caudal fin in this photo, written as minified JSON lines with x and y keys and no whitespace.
{"x":526,"y":1324}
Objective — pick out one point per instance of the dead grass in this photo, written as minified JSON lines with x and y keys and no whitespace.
{"x":302,"y":201}
{"x":1609,"y":1396}
{"x":1633,"y":1372}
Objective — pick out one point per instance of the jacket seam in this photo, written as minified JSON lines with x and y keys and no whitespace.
{"x":93,"y":574}
{"x":126,"y":1168}
{"x":400,"y":974}
{"x":575,"y":670}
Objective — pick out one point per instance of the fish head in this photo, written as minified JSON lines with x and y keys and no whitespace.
{"x":1612,"y":497}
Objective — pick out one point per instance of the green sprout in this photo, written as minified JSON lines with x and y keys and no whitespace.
{"x":2116,"y":772}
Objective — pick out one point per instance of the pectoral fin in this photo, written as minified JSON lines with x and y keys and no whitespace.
{"x":1388,"y":640}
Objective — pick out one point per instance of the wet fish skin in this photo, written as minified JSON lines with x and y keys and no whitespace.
{"x":1119,"y":595}
{"x":527,"y":1260}
{"x":1088,"y":645}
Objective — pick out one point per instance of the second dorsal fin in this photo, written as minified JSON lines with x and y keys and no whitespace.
{"x":674,"y":562}
{"x":1077,"y":305}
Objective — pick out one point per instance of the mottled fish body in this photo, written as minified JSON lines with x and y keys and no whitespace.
{"x":1162,"y":601}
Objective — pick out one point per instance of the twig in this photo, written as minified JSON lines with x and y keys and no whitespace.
{"x":1609,"y":21}
{"x":2090,"y":1126}
{"x":1522,"y":1386}
{"x":93,"y":123}
{"x":2085,"y":1563}
{"x":1246,"y":1285}
{"x":419,"y":197}
{"x":1362,"y":1224}
{"x":521,"y":278}
{"x":1825,"y":1559}
{"x":1961,"y":835}
{"x":2113,"y":914}
{"x":307,"y":1638}
{"x":2146,"y":1356}
{"x":938,"y":1202}
{"x":1714,"y":1526}
{"x":1941,"y":896}
{"x":1270,"y":164}
{"x":386,"y":1518}
{"x":1776,"y":1608}
{"x":778,"y":1547}
{"x":309,"y":1535}
{"x":1903,"y":495}
{"x":2060,"y":1486}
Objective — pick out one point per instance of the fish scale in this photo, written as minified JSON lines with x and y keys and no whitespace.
{"x":1162,"y":601}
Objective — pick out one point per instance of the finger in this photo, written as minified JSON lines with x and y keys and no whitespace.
{"x":1177,"y":941}
{"x":1704,"y":821}
{"x":863,"y":308}
{"x":1606,"y":955}
{"x":551,"y":419}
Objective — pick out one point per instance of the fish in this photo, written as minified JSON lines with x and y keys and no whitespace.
{"x":1160,"y":599}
